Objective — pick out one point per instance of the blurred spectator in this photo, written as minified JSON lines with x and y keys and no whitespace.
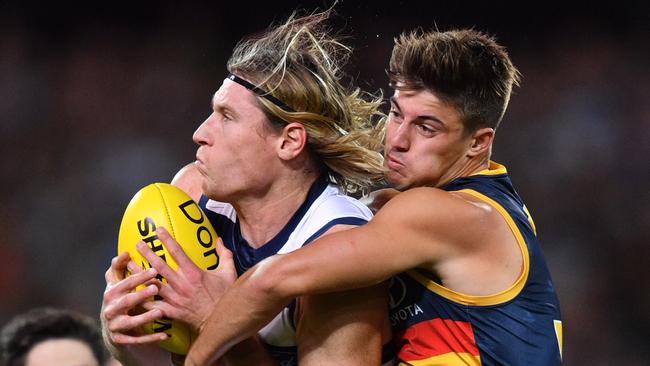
{"x":51,"y":337}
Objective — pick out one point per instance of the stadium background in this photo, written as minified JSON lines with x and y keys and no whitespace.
{"x":98,"y":100}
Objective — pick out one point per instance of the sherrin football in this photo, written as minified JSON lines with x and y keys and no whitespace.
{"x":161,"y":204}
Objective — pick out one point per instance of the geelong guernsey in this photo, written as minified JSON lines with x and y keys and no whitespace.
{"x":434,"y":325}
{"x":324,"y":207}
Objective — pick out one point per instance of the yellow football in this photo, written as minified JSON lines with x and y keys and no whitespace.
{"x":161,"y":204}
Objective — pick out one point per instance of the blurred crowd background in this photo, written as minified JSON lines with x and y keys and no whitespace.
{"x":100,"y":99}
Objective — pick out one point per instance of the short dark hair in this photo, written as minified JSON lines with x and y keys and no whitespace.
{"x":465,"y":68}
{"x":26,"y":330}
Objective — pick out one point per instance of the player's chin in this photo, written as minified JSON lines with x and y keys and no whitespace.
{"x":213,"y":192}
{"x":397,"y":180}
{"x":201,"y":168}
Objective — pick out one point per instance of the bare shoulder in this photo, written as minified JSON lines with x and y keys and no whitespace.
{"x":189,"y":180}
{"x":433,"y":201}
{"x":419,"y":201}
{"x":447,"y":218}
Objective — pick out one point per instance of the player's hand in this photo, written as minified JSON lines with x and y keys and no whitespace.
{"x":121,"y":320}
{"x":190,"y":292}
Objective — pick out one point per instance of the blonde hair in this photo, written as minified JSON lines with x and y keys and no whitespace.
{"x":300,"y":63}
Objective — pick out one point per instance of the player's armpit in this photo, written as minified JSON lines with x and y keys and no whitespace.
{"x":250,"y":351}
{"x":343,"y":328}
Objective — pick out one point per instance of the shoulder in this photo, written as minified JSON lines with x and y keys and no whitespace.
{"x":446,"y":217}
{"x":333,"y":204}
{"x":189,"y":179}
{"x":419,"y":201}
{"x":431,"y":201}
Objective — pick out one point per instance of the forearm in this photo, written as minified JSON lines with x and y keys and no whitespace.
{"x":225,"y":328}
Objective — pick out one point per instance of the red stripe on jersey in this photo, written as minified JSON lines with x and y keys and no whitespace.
{"x":436,"y":337}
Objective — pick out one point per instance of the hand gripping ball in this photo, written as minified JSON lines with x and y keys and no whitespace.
{"x":161,"y":204}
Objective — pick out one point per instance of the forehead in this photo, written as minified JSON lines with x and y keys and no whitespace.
{"x":231,"y":94}
{"x":61,"y":352}
{"x":419,"y":100}
{"x":425,"y":103}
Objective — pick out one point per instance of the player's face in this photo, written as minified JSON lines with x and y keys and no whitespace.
{"x":425,"y":145}
{"x":61,"y":352}
{"x":236,"y":154}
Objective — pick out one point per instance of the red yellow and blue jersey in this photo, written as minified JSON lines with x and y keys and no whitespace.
{"x":521,"y":325}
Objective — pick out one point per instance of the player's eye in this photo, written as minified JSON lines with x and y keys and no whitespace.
{"x":394,"y":114}
{"x":425,"y":129}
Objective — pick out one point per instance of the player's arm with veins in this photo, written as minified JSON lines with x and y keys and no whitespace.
{"x":409,"y":231}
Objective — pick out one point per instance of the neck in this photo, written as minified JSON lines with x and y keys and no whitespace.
{"x":466,"y":168}
{"x":262,"y":218}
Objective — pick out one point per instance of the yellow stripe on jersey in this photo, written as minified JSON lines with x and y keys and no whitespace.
{"x":493,"y":169}
{"x":483,"y":300}
{"x":448,"y":359}
{"x":558,"y":334}
{"x":530,"y":220}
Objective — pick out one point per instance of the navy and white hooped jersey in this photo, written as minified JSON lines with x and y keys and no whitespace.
{"x":433,"y":325}
{"x":324,"y":207}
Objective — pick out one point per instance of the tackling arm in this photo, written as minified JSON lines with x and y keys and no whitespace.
{"x":400,"y":237}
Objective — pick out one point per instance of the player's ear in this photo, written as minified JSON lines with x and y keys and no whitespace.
{"x":292,"y":140}
{"x":481,"y":141}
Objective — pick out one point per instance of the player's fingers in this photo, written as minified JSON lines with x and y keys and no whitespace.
{"x":115,"y":308}
{"x":225,"y":256}
{"x":120,"y":261}
{"x":168,"y":310}
{"x":120,"y":338}
{"x":129,"y":284}
{"x":134,"y":268}
{"x":167,"y":291}
{"x":222,"y":251}
{"x":174,"y":249}
{"x":128,"y":323}
{"x":154,"y":281}
{"x":116,"y":271}
{"x":156,"y":262}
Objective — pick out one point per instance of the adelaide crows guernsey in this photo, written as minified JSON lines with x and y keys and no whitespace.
{"x":324,"y":207}
{"x":434,"y":325}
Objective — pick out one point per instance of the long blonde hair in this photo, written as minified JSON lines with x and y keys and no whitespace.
{"x":300,"y":63}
